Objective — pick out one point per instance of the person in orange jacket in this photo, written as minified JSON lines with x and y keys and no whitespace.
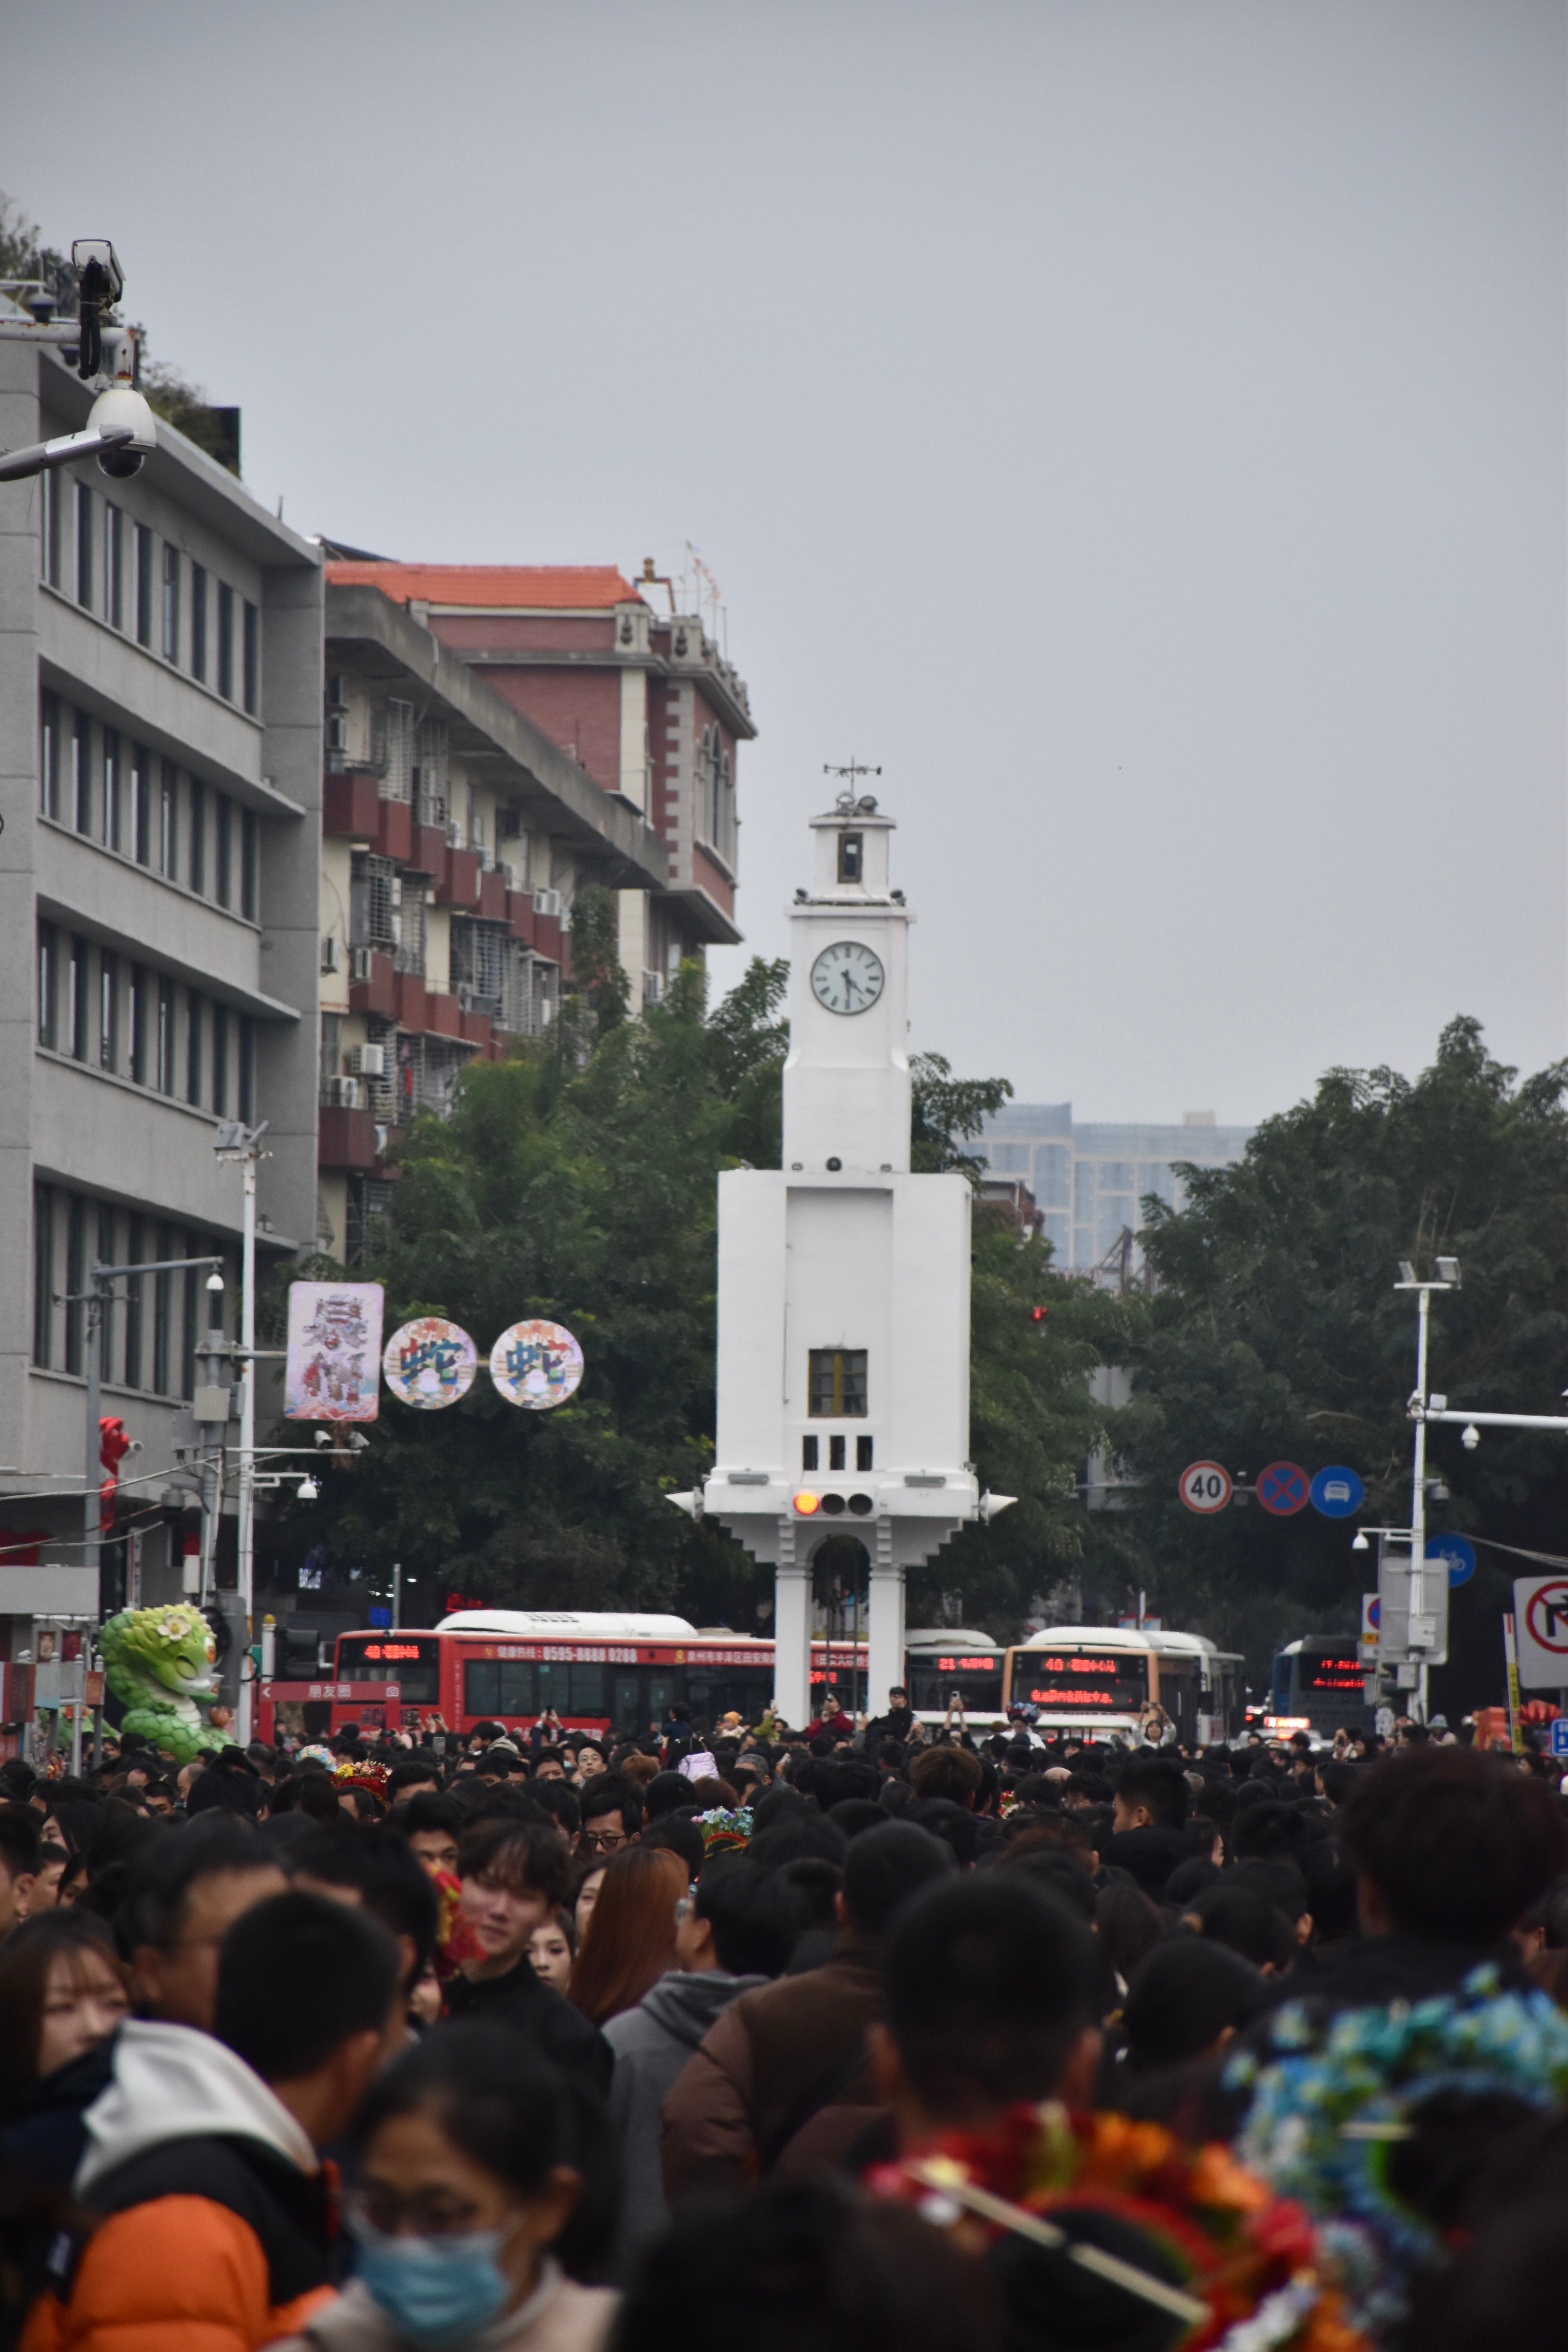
{"x":212,"y":2222}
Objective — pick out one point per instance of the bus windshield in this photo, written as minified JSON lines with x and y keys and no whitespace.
{"x":411,"y":1660}
{"x":1081,"y":1682}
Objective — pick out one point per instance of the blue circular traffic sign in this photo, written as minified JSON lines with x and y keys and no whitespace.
{"x":1337,"y":1492}
{"x":1282,"y":1489}
{"x":1460,"y":1553}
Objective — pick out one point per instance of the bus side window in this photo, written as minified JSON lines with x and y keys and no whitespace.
{"x":481,"y":1686}
{"x":587,"y":1688}
{"x":516,"y":1688}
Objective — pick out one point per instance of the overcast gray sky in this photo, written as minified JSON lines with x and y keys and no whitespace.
{"x":1137,"y":424}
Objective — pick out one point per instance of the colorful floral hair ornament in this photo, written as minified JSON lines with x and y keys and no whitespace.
{"x":1334,"y":2098}
{"x":725,"y":1831}
{"x":1250,"y":2271}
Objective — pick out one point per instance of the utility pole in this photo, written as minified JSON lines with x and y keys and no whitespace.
{"x":234,"y":1141}
{"x":1448,"y":1274}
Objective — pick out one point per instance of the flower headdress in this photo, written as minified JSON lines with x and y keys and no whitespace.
{"x":1333,"y":2098}
{"x":1237,"y":2265}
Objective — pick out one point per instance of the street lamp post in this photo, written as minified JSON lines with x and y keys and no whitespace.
{"x":235,"y":1141}
{"x":1449,"y":1279}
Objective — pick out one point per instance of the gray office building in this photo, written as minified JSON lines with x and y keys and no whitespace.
{"x":1089,"y":1178}
{"x":160,"y":782}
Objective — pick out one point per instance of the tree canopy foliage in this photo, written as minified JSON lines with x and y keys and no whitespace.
{"x":1277,"y":1333}
{"x":577,"y":1181}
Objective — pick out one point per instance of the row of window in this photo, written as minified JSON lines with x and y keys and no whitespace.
{"x":123,"y":572}
{"x":99,"y":1008}
{"x":113,"y":789}
{"x":148,"y":1337}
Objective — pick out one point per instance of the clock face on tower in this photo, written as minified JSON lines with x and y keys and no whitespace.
{"x":847,"y":977}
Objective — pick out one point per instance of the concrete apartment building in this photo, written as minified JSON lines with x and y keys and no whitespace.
{"x":497,"y":736}
{"x":1089,"y":1178}
{"x":160,"y":783}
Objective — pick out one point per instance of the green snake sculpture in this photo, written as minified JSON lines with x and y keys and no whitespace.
{"x":159,"y":1662}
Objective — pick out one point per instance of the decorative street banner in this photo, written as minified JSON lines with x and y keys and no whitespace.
{"x":537,"y":1365}
{"x":334,"y":1348}
{"x":430,"y":1363}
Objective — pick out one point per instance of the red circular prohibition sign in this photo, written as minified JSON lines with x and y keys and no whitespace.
{"x":1283,"y":1488}
{"x":1546,"y":1619}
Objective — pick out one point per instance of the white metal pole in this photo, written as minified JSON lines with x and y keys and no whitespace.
{"x":397,"y":1595}
{"x":245,"y":1531}
{"x":1418,"y":1489}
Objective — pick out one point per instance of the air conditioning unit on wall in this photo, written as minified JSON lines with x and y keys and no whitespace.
{"x":547,"y":902}
{"x":367,"y":1061}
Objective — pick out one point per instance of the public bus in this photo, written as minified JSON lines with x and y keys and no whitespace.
{"x":1098,"y":1679}
{"x":1319,"y":1684}
{"x":602,"y":1670}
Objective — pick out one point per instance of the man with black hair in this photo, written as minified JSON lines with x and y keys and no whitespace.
{"x":782,"y":2081}
{"x":561,"y":1802}
{"x":680,"y":1834}
{"x":419,"y":1776}
{"x":20,"y":1832}
{"x":1451,"y":1845}
{"x":1150,"y":1807}
{"x":896,"y":1724}
{"x":214,"y":2222}
{"x":734,"y":1935}
{"x":429,"y":1827}
{"x":611,"y":1810}
{"x":187,"y":1890}
{"x":515,"y":1875}
{"x":990,"y":1990}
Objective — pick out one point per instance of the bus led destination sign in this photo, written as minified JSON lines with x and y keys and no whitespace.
{"x":1075,"y":1679}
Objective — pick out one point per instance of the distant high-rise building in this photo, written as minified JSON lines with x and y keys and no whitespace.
{"x":1089,"y":1179}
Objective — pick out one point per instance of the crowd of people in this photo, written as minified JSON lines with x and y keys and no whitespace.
{"x":855,"y":2038}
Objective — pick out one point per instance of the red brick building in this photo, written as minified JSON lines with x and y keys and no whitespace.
{"x":498,"y":736}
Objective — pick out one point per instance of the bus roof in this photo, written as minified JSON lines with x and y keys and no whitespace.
{"x":947,"y":1637}
{"x":1122,"y":1637}
{"x":566,"y":1624}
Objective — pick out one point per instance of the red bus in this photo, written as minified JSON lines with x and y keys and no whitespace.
{"x":600,"y":1670}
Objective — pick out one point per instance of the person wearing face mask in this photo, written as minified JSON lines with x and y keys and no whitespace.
{"x":469,"y":2193}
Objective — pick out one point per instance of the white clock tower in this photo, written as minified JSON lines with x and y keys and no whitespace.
{"x":843,"y":1372}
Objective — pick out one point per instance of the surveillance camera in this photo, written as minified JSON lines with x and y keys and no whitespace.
{"x":123,"y":406}
{"x":1469,"y":1437}
{"x":307,"y":1489}
{"x":323,"y":1436}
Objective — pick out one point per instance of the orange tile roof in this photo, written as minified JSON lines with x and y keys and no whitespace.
{"x":535,"y":587}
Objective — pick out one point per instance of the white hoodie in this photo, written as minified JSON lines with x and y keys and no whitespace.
{"x":174,"y":2082}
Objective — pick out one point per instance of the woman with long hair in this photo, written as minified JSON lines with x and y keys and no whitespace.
{"x":62,"y":1993}
{"x":630,"y":1938}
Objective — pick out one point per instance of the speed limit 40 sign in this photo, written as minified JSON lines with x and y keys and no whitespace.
{"x":1204,"y":1487}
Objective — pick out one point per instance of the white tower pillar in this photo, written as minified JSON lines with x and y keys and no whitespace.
{"x":843,"y":1371}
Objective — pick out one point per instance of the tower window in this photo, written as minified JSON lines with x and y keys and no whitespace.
{"x":835,"y":1453}
{"x":865,"y":1448}
{"x":837,"y":1383}
{"x":808,"y":1453}
{"x":849,"y":847}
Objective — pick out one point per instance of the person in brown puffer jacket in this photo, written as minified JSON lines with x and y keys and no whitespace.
{"x":782,"y":2081}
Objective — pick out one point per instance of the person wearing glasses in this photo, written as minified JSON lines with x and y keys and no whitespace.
{"x":612,"y":1813}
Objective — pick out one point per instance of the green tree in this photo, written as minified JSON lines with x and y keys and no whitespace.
{"x":1277,"y":1333}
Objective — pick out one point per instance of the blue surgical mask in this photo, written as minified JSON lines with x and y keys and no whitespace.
{"x":436,"y":2291}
